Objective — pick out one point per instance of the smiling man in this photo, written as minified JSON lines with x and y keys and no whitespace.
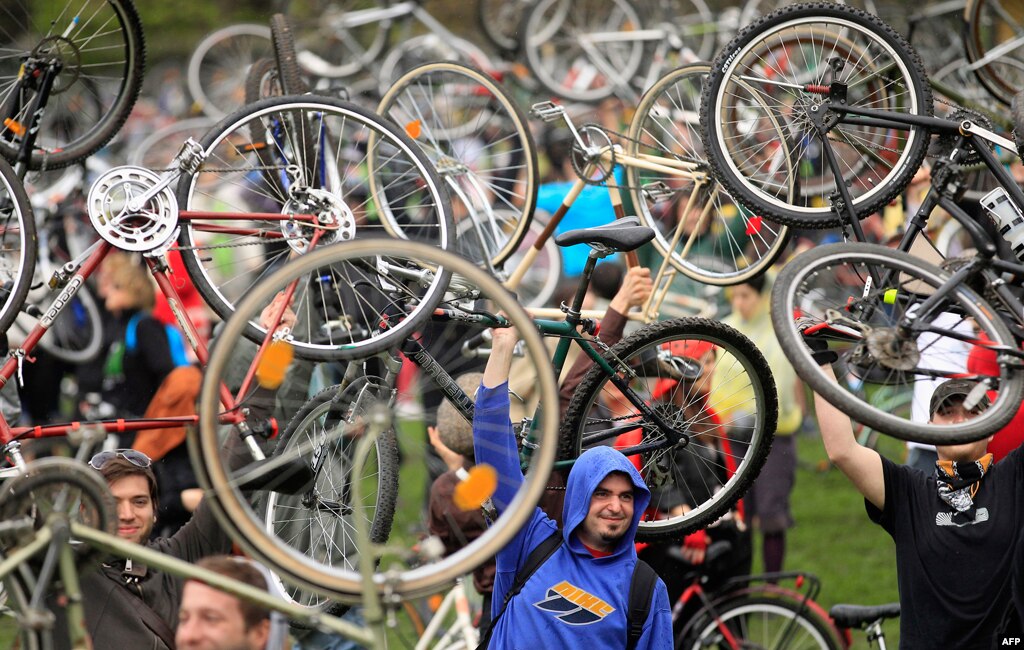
{"x":575,"y":590}
{"x":213,"y":620}
{"x":128,"y":605}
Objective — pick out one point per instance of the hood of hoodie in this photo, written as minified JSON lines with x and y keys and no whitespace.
{"x":588,"y":471}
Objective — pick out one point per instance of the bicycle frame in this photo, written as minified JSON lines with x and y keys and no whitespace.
{"x":55,"y":534}
{"x":71,"y":277}
{"x":568,"y":333}
{"x":939,"y":195}
{"x":608,"y":155}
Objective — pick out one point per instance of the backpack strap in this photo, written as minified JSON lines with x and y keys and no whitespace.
{"x":538,"y":556}
{"x":131,"y":332}
{"x":641,"y":594}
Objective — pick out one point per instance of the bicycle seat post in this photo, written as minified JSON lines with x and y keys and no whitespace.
{"x":575,"y":308}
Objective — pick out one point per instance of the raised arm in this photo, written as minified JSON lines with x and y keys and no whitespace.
{"x":861,"y":465}
{"x":493,"y":440}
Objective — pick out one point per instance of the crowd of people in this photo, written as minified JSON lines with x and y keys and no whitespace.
{"x":952,"y":511}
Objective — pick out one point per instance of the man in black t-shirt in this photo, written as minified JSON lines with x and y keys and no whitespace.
{"x":955,"y":529}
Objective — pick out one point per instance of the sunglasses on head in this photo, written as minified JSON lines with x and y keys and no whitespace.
{"x":134,"y":457}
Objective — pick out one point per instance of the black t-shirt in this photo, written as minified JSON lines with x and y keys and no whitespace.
{"x":954,"y":574}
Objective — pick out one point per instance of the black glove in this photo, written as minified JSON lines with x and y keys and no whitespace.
{"x":818,"y":345}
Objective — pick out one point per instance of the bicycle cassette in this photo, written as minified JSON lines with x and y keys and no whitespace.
{"x":124,"y":214}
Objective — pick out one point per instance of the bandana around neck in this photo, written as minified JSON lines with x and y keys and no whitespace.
{"x":958,"y":482}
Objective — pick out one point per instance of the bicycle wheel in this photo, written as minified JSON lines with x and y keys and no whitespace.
{"x":574,"y":46}
{"x":338,"y":38}
{"x":767,"y":622}
{"x":470,"y":291}
{"x":711,"y":385}
{"x":499,"y":21}
{"x":75,"y":336}
{"x":480,"y":142}
{"x":689,"y":25}
{"x":720,"y":242}
{"x":888,"y":350}
{"x":318,"y":522}
{"x":18,"y":245}
{"x":158,"y":149}
{"x":781,"y":70}
{"x":288,"y":74}
{"x":219,"y":64}
{"x":1017,"y":112}
{"x":58,"y":487}
{"x":100,"y":53}
{"x":262,"y":81}
{"x":254,"y":161}
{"x":994,"y":42}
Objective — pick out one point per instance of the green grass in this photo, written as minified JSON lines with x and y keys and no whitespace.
{"x":834,"y":539}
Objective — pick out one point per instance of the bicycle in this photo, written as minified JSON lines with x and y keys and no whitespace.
{"x":60,"y":514}
{"x":134,"y":210}
{"x":890,"y":142}
{"x":587,"y":51}
{"x":69,"y":77}
{"x":654,"y":390}
{"x":700,"y":231}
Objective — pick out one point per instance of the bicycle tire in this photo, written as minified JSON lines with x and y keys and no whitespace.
{"x":551,"y":44}
{"x":308,"y":528}
{"x":734,"y":245}
{"x":18,"y":245}
{"x":876,"y":162}
{"x":76,"y":335}
{"x":97,"y":42}
{"x":823,"y":278}
{"x":765,"y":622}
{"x":427,"y":48}
{"x":262,"y":82}
{"x":226,"y":260}
{"x":217,"y":67}
{"x":157,"y":150}
{"x":480,"y":140}
{"x":41,"y":492}
{"x":499,"y":21}
{"x":744,"y":388}
{"x":231,"y":505}
{"x":991,"y":28}
{"x":691,"y":21}
{"x":289,"y":76}
{"x":1017,"y":112}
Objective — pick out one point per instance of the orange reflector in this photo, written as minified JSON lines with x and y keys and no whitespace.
{"x":274,"y":364}
{"x":15,"y":125}
{"x":475,"y":488}
{"x":414,"y":129}
{"x":253,"y":146}
{"x":434,"y":602}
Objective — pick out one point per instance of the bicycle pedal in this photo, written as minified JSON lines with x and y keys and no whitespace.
{"x":657,"y":191}
{"x":547,"y":111}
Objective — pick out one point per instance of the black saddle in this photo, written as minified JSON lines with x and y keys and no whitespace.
{"x":620,"y":235}
{"x":859,"y":615}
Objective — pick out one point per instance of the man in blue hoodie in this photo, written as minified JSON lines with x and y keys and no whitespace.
{"x":578,"y":597}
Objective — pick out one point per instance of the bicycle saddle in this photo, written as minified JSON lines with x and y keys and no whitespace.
{"x":860,"y":615}
{"x":620,"y":235}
